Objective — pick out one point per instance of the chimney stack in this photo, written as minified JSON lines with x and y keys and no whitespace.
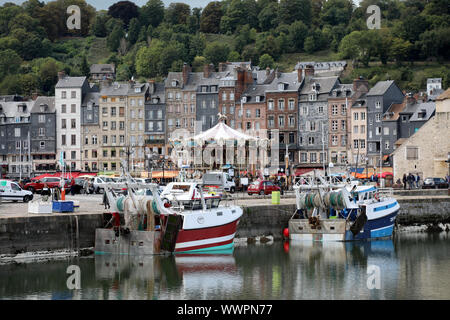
{"x":207,"y":70}
{"x":186,"y":71}
{"x":360,"y":85}
{"x":300,"y":74}
{"x":61,"y":75}
{"x":222,"y":66}
{"x":151,"y":84}
{"x":309,"y":70}
{"x":267,"y":71}
{"x":410,"y":98}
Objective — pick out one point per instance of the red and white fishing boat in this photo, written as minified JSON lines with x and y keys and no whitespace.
{"x":189,"y":221}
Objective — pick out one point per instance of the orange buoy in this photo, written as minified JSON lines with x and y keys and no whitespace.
{"x":286,"y":233}
{"x":63,"y":194}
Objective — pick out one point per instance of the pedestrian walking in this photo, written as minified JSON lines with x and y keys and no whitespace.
{"x":86,"y":186}
{"x":404,"y":181}
{"x":410,"y":181}
{"x":105,"y":200}
{"x":417,"y":181}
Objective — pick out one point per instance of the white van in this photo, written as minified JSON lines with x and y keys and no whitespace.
{"x":219,"y":179}
{"x":11,"y":191}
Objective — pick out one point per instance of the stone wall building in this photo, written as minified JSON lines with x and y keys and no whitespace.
{"x":91,"y":131}
{"x":282,"y":98}
{"x":379,"y":100}
{"x":113,"y":142}
{"x":339,"y":103}
{"x":313,"y":119}
{"x":43,"y":135}
{"x":137,"y":95}
{"x":427,"y":150}
{"x":155,"y":115}
{"x":15,"y":138}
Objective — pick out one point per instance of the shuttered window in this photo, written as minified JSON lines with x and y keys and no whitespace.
{"x":412,"y":153}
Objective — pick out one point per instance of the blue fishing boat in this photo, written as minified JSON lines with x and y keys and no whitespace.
{"x":345,"y":211}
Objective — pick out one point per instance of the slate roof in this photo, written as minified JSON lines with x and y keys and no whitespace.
{"x":115,"y":89}
{"x":71,"y":82}
{"x":326,"y":84}
{"x":49,"y":101}
{"x":10,"y":109}
{"x":342,"y":90}
{"x":132,"y":86}
{"x":91,"y":97}
{"x":361,"y":102}
{"x":291,"y":79}
{"x":321,"y":65}
{"x":428,"y":107}
{"x":380,"y":88}
{"x":253,"y":91}
{"x":102,"y":68}
{"x":159,"y":93}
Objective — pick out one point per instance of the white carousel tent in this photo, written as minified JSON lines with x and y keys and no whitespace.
{"x":222,"y":132}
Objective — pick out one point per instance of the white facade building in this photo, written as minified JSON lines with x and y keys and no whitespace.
{"x":69,"y":92}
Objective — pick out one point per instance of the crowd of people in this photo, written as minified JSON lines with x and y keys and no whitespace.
{"x":413,"y":181}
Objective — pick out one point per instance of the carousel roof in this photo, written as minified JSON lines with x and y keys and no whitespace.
{"x":222,"y":132}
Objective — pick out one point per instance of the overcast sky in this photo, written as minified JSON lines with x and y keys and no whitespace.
{"x":104,"y":4}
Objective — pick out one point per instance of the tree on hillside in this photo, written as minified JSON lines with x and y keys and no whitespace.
{"x":216,"y":52}
{"x":133,"y":31}
{"x":124,"y":10}
{"x":113,"y":40}
{"x":177,"y":13}
{"x":53,"y":18}
{"x":148,"y":59}
{"x":98,"y":28}
{"x":268,"y":16}
{"x":84,"y":66}
{"x":198,"y":63}
{"x":266,"y":61}
{"x":152,"y":13}
{"x":297,"y":34}
{"x":293,"y":10}
{"x":359,"y":46}
{"x":336,"y":12}
{"x":9,"y":62}
{"x":210,"y":18}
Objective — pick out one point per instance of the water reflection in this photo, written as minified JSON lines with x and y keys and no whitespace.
{"x":412,"y":266}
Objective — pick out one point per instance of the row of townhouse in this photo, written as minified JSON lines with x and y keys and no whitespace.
{"x":318,"y":118}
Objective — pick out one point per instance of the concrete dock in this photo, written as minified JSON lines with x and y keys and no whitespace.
{"x":21,"y":231}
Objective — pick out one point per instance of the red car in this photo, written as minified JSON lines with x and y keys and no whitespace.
{"x":38,"y":185}
{"x":263,"y":187}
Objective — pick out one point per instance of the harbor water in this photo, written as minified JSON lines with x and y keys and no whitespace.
{"x":409,"y":266}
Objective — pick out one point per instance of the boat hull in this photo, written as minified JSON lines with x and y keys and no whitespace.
{"x":339,"y":229}
{"x":209,"y":239}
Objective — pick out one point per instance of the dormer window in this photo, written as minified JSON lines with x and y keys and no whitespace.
{"x":137,"y":89}
{"x":155,"y":100}
{"x":312,"y":97}
{"x":244,"y":99}
{"x":174,"y":83}
{"x":257,"y":98}
{"x":43,"y":108}
{"x":281,"y":86}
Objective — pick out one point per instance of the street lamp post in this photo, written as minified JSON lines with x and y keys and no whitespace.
{"x":128,"y":151}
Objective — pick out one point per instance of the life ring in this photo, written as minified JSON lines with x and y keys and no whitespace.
{"x":376,"y":196}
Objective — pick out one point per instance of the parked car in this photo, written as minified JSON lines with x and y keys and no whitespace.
{"x":435,"y":183}
{"x":52,"y":182}
{"x":263,"y":187}
{"x":11,"y":191}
